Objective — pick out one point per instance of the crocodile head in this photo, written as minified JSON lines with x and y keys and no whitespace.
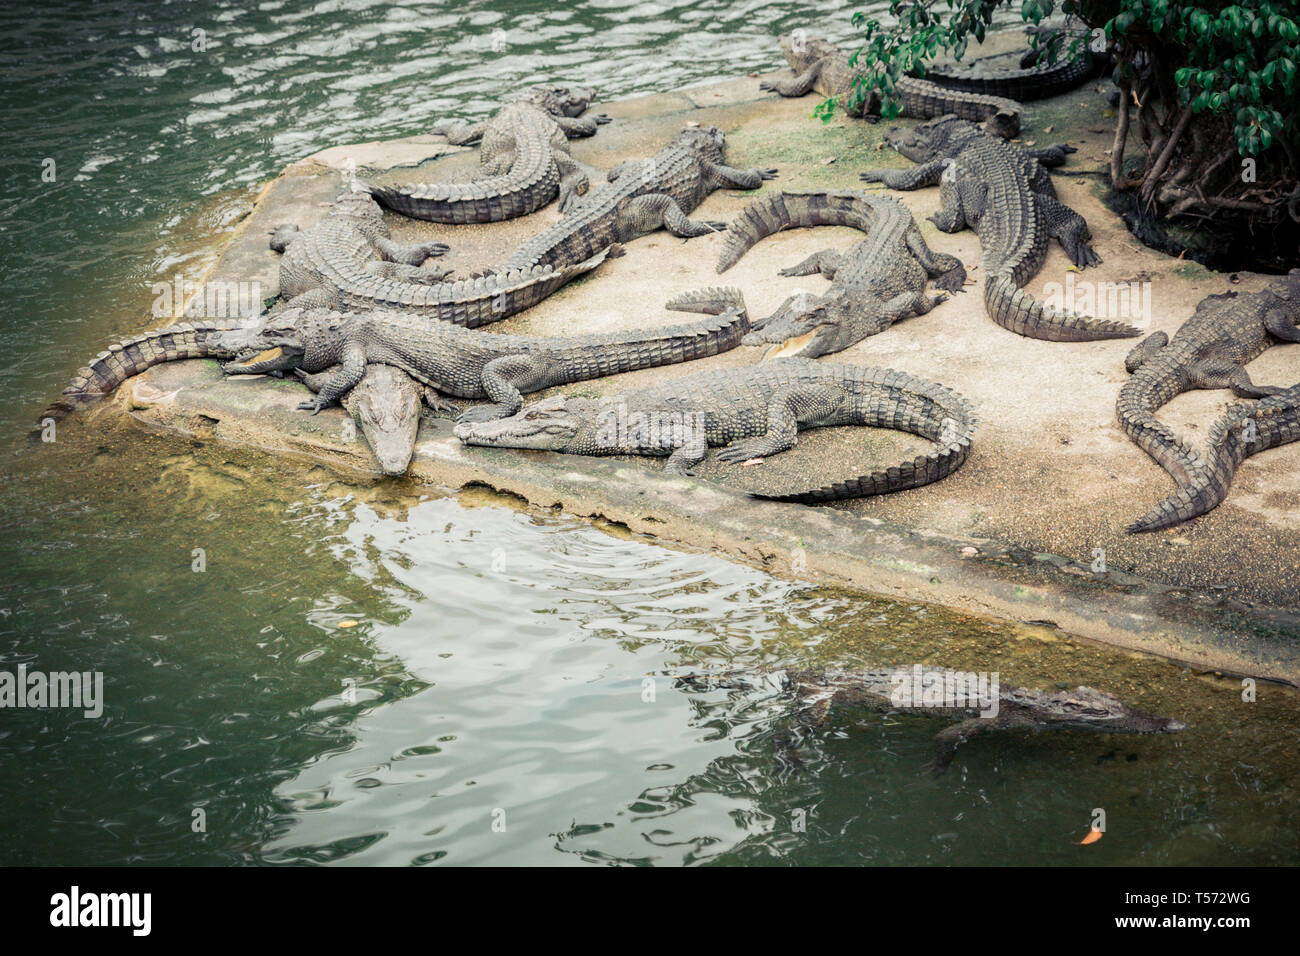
{"x":275,"y":345}
{"x":828,"y":326}
{"x":386,"y":404}
{"x":708,"y":141}
{"x":1084,"y":708}
{"x":358,"y":205}
{"x":802,"y":51}
{"x":559,"y":100}
{"x":932,"y":139}
{"x":553,"y":424}
{"x":1287,"y":288}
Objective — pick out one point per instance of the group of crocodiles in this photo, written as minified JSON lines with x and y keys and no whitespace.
{"x":370,"y":323}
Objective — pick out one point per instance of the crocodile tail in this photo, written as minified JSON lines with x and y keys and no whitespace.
{"x":790,"y":210}
{"x":1013,"y":308}
{"x":1242,"y":431}
{"x":599,"y":356}
{"x":470,"y":302}
{"x":925,"y":100}
{"x":531,"y":183}
{"x":1151,"y":387}
{"x":120,"y":361}
{"x":923,"y":408}
{"x":711,"y":301}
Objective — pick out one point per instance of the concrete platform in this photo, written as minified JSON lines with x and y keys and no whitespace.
{"x":1045,"y":494}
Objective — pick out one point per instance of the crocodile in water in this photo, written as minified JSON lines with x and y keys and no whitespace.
{"x":1007,"y":197}
{"x":977,"y":702}
{"x":755,"y":412}
{"x":524,"y":158}
{"x":822,"y":66}
{"x":1211,"y":350}
{"x":874,"y":284}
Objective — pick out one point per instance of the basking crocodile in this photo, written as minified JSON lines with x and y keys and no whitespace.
{"x":755,"y":412}
{"x":386,"y":404}
{"x":1211,"y":350}
{"x":1034,"y":80}
{"x":462,"y":363}
{"x":640,"y":196}
{"x":524,"y":158}
{"x":822,"y":66}
{"x":348,"y":262}
{"x":978,"y":702}
{"x":877,"y":282}
{"x":1006,"y":196}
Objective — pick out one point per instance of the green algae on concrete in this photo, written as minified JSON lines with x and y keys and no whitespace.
{"x":1050,"y":473}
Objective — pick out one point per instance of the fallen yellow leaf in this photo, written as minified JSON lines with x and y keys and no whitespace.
{"x":347,"y":623}
{"x":1093,"y":836}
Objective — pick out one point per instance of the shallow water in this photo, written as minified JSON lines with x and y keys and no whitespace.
{"x":382,"y":675}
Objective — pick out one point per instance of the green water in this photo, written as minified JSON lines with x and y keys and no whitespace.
{"x":489,"y":701}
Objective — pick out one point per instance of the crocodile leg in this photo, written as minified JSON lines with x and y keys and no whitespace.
{"x":1070,"y":229}
{"x":728,"y":177}
{"x":950,"y":738}
{"x":687,"y":456}
{"x":1281,"y":325}
{"x":647,"y":213}
{"x":1051,"y":156}
{"x":351,"y":370}
{"x":789,"y":407}
{"x":952,"y":215}
{"x":580,"y":127}
{"x":909,"y":303}
{"x":460,"y":134}
{"x":411,"y":254}
{"x":926,"y":174}
{"x":574,"y":181}
{"x":1224,"y":373}
{"x":1145,"y":351}
{"x":408,"y":273}
{"x":505,"y":379}
{"x":946,"y":271}
{"x":827,"y":262}
{"x":800,"y":85}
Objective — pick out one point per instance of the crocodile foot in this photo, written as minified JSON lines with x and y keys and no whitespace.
{"x":482,"y":413}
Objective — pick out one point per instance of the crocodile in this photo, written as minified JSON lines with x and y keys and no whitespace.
{"x":977,"y":702}
{"x":754,"y":411}
{"x":348,"y":262}
{"x":464,"y":363}
{"x":1210,"y":350}
{"x":822,"y":66}
{"x":386,"y":404}
{"x":524,"y":157}
{"x":1033,"y":80}
{"x":1007,"y":197}
{"x":640,"y":196}
{"x":878,"y":281}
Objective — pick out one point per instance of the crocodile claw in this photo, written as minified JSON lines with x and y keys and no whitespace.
{"x":313,"y":405}
{"x":482,"y":413}
{"x":741,"y":451}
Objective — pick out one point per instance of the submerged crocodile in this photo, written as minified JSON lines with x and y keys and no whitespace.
{"x":755,"y":412}
{"x":977,"y":702}
{"x":524,"y":158}
{"x":462,"y":363}
{"x":1007,"y":197}
{"x":348,"y":262}
{"x":877,"y":282}
{"x":1210,"y":351}
{"x":640,"y":196}
{"x":822,"y":66}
